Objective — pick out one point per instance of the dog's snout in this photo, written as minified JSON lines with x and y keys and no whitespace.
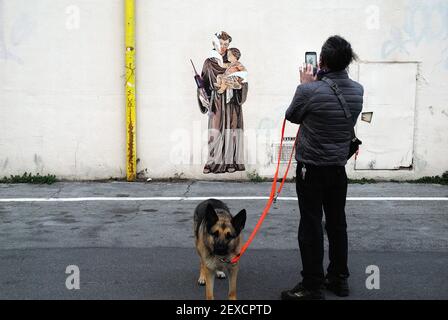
{"x":221,"y":248}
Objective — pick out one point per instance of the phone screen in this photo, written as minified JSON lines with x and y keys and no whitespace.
{"x":311,"y":58}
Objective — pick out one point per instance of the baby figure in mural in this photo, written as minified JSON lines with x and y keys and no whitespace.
{"x":235,"y":73}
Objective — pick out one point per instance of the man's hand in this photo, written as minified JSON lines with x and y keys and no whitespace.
{"x":307,"y":74}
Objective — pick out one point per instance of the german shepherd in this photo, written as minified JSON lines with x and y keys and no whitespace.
{"x":217,"y":237}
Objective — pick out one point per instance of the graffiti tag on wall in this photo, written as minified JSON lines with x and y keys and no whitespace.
{"x":425,"y":22}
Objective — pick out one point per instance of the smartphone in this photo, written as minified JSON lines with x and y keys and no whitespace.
{"x":311,"y":58}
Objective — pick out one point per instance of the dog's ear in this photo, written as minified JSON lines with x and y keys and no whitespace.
{"x":239,"y":221}
{"x":210,"y":217}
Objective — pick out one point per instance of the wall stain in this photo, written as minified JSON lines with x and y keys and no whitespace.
{"x":5,"y":164}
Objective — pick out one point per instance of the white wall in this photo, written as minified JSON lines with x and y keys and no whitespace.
{"x":61,"y":90}
{"x":61,"y":94}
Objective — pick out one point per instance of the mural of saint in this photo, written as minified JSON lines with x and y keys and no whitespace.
{"x":225,"y":82}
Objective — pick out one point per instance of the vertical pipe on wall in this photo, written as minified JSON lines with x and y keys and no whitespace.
{"x":131,"y":152}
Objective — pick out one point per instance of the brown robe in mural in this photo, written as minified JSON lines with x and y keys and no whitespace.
{"x":225,"y":123}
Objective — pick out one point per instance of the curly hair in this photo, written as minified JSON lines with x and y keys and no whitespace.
{"x":236,"y":53}
{"x":224,"y":36}
{"x":337,"y":53}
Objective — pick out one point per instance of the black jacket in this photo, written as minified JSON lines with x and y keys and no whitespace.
{"x":324,"y":137}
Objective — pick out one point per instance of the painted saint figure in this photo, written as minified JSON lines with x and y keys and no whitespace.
{"x":227,"y":92}
{"x":235,"y":73}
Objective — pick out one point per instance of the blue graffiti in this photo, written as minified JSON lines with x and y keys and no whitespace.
{"x":397,"y":42}
{"x":21,"y":29}
{"x":425,"y":21}
{"x":421,"y":21}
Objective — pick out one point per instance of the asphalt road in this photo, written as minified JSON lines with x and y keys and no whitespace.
{"x":143,"y":248}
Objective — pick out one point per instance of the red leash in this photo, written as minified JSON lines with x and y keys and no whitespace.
{"x":272,"y":197}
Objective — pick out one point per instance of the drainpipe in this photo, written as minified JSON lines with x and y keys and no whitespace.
{"x":131,"y":152}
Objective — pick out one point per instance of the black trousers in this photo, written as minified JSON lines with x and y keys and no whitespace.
{"x":322,"y":189}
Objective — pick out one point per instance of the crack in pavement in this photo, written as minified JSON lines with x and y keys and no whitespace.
{"x":139,"y":204}
{"x":56,"y":193}
{"x":188,"y":188}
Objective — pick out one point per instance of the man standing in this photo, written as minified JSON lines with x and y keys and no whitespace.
{"x":321,"y":180}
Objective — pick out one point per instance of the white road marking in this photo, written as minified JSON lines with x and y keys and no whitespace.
{"x":85,"y":199}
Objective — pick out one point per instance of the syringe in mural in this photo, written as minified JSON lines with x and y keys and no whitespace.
{"x":204,"y":104}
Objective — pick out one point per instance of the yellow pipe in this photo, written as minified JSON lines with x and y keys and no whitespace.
{"x":131,"y":152}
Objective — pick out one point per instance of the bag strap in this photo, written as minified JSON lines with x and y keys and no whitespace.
{"x":343,"y":103}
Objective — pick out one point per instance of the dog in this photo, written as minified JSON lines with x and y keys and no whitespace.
{"x":217,"y":238}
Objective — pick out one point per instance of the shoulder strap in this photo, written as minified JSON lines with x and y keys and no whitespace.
{"x":343,"y":103}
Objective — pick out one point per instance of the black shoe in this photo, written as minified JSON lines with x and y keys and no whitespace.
{"x":301,"y":293}
{"x":337,"y":285}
